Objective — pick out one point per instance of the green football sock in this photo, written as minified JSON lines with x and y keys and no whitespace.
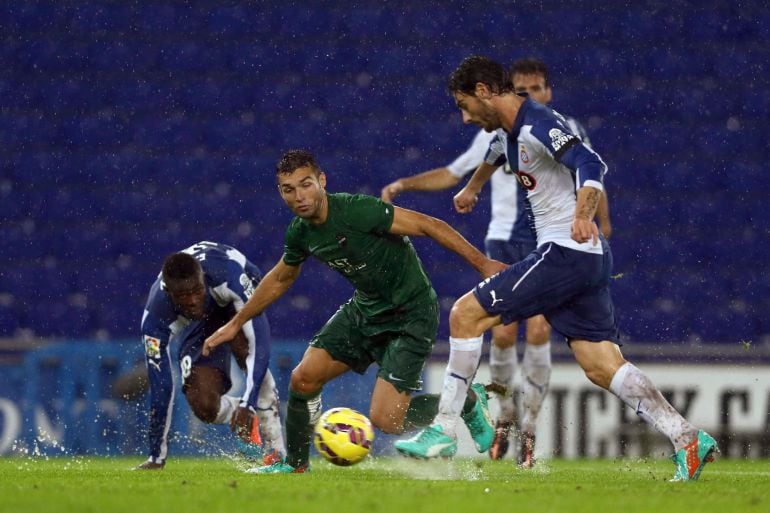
{"x":423,"y":408}
{"x":299,"y":429}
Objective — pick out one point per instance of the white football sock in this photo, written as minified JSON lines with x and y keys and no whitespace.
{"x":268,"y":413}
{"x":464,"y":355}
{"x":502,"y":370}
{"x":536,"y":375}
{"x":227,"y":406}
{"x":635,"y":389}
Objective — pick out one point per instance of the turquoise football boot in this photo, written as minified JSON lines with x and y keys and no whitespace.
{"x":478,"y":420}
{"x":691,"y":458}
{"x":431,"y":442}
{"x":279,"y":467}
{"x":250,"y":451}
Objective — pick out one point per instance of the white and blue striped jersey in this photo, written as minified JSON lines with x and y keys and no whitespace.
{"x":551,"y":164}
{"x":509,"y":221}
{"x":230,"y":280}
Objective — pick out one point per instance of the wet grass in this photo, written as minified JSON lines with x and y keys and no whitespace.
{"x":383,"y":484}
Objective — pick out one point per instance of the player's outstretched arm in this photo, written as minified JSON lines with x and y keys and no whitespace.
{"x":409,"y":222}
{"x":273,"y":286}
{"x":466,"y":199}
{"x":434,"y":180}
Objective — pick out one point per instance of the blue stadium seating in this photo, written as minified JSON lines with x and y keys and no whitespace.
{"x":131,"y":130}
{"x":720,"y":325}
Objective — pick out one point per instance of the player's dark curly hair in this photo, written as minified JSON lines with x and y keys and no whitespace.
{"x":477,"y":69}
{"x":530,"y":66}
{"x":294,"y":159}
{"x":180,"y":266}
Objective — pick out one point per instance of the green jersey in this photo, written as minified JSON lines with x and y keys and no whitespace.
{"x":354,"y":241}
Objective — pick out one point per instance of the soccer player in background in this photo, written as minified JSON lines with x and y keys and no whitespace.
{"x":509,"y":239}
{"x":392,"y":318}
{"x":566,"y":278}
{"x":198,"y":290}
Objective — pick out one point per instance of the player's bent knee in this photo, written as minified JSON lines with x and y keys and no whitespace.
{"x":465,"y":314}
{"x":304,"y":382}
{"x":468,"y":319}
{"x":505,"y":336}
{"x":539,"y":335}
{"x":538,"y":330}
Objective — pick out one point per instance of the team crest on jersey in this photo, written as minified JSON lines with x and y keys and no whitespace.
{"x":152,"y":347}
{"x":523,"y":154}
{"x":344,"y":266}
{"x":559,"y":138}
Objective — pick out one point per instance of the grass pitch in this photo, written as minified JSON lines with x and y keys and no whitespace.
{"x":383,"y":484}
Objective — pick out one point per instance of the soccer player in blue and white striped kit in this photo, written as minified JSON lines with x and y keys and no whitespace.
{"x":509,"y":239}
{"x":198,"y":290}
{"x":566,"y":278}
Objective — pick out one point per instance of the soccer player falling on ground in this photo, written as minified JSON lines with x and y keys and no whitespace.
{"x":391,"y":319}
{"x":198,"y":290}
{"x":509,"y":239}
{"x":566,"y":278}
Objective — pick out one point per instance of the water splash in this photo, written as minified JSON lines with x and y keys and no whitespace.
{"x":439,"y":469}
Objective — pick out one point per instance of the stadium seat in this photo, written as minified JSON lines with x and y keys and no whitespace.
{"x":95,"y":132}
{"x":10,"y":319}
{"x":254,"y":58}
{"x":756,"y":104}
{"x":144,"y":96}
{"x":237,"y":21}
{"x":153,"y":19}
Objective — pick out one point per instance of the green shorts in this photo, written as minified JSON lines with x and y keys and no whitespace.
{"x":400,"y":344}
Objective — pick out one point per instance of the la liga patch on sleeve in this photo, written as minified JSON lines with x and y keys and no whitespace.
{"x":152,"y":347}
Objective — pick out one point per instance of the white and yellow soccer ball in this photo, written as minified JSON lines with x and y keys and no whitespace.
{"x":343,"y":436}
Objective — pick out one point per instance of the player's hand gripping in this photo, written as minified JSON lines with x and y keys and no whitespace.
{"x":224,"y":334}
{"x":584,"y":230}
{"x":390,"y":191}
{"x":465,"y":200}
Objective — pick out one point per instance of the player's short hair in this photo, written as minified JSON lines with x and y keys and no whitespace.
{"x":530,"y":66}
{"x":475,"y":69}
{"x":295,"y":159}
{"x":180,"y":266}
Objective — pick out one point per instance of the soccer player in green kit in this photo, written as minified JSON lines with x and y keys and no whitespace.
{"x":391,"y":319}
